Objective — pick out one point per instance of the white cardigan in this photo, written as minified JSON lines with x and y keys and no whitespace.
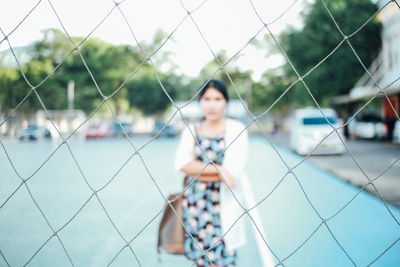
{"x":235,"y":157}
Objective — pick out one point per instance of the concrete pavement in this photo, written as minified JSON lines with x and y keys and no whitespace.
{"x":375,"y":160}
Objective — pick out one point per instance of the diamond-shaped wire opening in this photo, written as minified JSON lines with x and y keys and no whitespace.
{"x":372,"y":241}
{"x":88,"y":232}
{"x":226,"y":33}
{"x":299,"y":211}
{"x":27,"y":133}
{"x":23,"y":236}
{"x":64,"y":186}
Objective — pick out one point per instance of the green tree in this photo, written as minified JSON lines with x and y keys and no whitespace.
{"x":13,"y":89}
{"x":308,"y":45}
{"x":269,"y":89}
{"x":146,"y":94}
{"x":319,"y":36}
{"x":110,"y":66}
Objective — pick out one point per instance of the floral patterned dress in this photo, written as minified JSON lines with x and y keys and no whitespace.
{"x":201,"y":211}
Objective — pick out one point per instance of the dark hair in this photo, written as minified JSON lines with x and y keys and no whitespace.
{"x":217,"y":84}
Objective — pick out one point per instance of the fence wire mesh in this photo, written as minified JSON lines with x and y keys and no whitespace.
{"x":246,"y":211}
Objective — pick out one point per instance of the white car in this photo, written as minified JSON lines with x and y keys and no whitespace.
{"x":371,"y":130}
{"x":309,"y":127}
{"x":33,"y":132}
{"x":396,"y":132}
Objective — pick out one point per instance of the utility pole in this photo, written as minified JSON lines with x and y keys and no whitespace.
{"x":71,"y":94}
{"x":70,"y":98}
{"x":248,"y":88}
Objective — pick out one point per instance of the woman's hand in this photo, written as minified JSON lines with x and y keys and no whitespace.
{"x":229,"y":179}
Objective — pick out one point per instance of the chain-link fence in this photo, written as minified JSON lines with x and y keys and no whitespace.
{"x":34,"y":91}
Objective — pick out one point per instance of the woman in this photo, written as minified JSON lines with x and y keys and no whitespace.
{"x":209,"y":207}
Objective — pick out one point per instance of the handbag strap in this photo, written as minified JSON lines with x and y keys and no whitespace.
{"x":195,"y":131}
{"x":195,"y":136}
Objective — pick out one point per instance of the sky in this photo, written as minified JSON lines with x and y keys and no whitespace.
{"x":225,"y":24}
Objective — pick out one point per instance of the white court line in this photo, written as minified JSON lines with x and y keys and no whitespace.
{"x":266,"y":256}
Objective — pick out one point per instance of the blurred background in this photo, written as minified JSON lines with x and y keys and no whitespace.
{"x":109,"y":90}
{"x":260,"y":72}
{"x":183,"y":62}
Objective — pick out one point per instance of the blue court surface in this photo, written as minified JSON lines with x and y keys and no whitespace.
{"x":92,"y":236}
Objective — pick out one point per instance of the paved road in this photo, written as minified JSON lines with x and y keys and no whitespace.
{"x":374,"y":157}
{"x":93,"y":229}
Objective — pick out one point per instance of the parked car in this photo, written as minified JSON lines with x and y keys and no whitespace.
{"x":396,"y":132}
{"x":309,"y":127}
{"x":33,"y":132}
{"x":168,"y":131}
{"x":370,"y":127}
{"x":98,"y":130}
{"x":118,"y":130}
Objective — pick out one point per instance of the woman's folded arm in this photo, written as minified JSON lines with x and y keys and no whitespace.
{"x":194,"y":167}
{"x":209,"y":173}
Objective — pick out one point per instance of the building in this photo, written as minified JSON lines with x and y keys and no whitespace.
{"x":385,"y":70}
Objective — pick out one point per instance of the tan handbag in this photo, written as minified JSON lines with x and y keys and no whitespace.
{"x":171,"y":234}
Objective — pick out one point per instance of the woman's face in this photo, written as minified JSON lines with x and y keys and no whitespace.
{"x":213,"y":104}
